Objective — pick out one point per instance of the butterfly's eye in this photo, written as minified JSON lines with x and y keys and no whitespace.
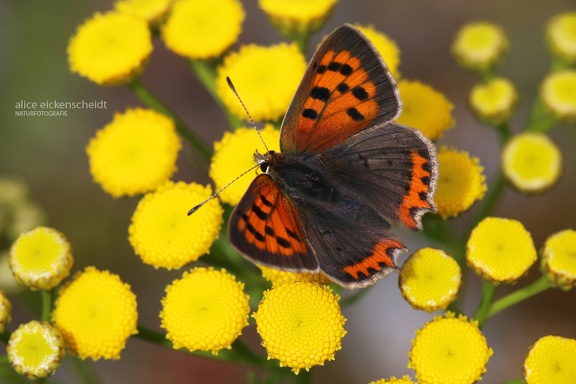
{"x":264,"y":166}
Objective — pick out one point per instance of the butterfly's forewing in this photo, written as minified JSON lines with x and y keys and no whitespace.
{"x":347,"y":87}
{"x":265,"y":228}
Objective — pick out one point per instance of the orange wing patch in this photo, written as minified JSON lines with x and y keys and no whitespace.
{"x":380,"y":258}
{"x":417,"y":196}
{"x":342,"y":100}
{"x":269,"y":225}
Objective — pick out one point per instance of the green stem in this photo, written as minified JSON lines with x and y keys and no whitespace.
{"x":46,"y":305}
{"x":151,"y":101}
{"x":540,"y":119}
{"x":489,"y":202}
{"x":483,"y":312}
{"x":206,"y":74}
{"x":353,"y":298}
{"x":84,"y":370}
{"x":453,"y":307}
{"x":517,"y":381}
{"x":519,"y":295}
{"x":4,"y":337}
{"x":304,"y":377}
{"x":4,"y":360}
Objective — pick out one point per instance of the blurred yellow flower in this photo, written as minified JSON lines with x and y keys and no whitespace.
{"x":41,"y":258}
{"x":151,"y":10}
{"x":551,"y":360}
{"x":5,"y":310}
{"x":300,"y":324}
{"x":531,"y":162}
{"x":500,"y":250}
{"x":561,"y":33}
{"x":265,"y":77}
{"x":430,"y":279}
{"x":479,"y":46}
{"x":135,"y":153}
{"x":461,"y":182}
{"x":200,"y":29}
{"x":297,"y":16}
{"x":385,"y":45}
{"x":558,"y":259}
{"x":110,"y":48}
{"x":425,"y":109}
{"x":394,"y":380}
{"x":205,"y":310}
{"x":557,"y":93}
{"x":35,"y":349}
{"x":494,"y":101}
{"x":164,"y":236}
{"x":449,"y":350}
{"x":234,"y":154}
{"x":277,"y":276}
{"x":96,"y":313}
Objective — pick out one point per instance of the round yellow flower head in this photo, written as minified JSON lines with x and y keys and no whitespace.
{"x":151,"y":10}
{"x":135,"y":153}
{"x":531,"y":162}
{"x":200,"y":29}
{"x":557,"y":93}
{"x":558,"y":259}
{"x":430,"y":279}
{"x":551,"y":360}
{"x":394,"y":380}
{"x":449,"y":350}
{"x":164,"y":236}
{"x":277,"y":276}
{"x":265,"y":77}
{"x":110,"y":48}
{"x":5,"y":309}
{"x":300,"y":324}
{"x":297,"y":17}
{"x":461,"y":182}
{"x":479,"y":46}
{"x":500,"y":250}
{"x":234,"y":154}
{"x":494,"y":101}
{"x":41,"y":258}
{"x":35,"y":349}
{"x":561,"y":33}
{"x":425,"y":109}
{"x":205,"y":310}
{"x":96,"y":313}
{"x":386,"y":46}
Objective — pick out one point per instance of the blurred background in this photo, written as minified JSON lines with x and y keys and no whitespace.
{"x":48,"y":154}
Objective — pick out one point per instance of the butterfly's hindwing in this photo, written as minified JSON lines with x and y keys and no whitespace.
{"x":265,"y":227}
{"x":347,"y":87}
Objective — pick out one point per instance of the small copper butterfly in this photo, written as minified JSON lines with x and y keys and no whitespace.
{"x":345,"y":171}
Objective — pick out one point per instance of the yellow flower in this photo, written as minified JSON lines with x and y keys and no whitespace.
{"x":277,"y":276}
{"x":200,"y":29}
{"x":35,"y":349}
{"x":5,"y":309}
{"x":151,"y":10}
{"x":479,"y":46}
{"x":135,"y":153}
{"x":385,"y":45}
{"x":164,"y":236}
{"x":234,"y":154}
{"x":551,"y":360}
{"x":532,"y":162}
{"x":558,"y":259}
{"x":265,"y":77}
{"x":205,"y":310}
{"x":297,"y":17}
{"x":494,"y":101}
{"x":41,"y":258}
{"x":561,"y":33}
{"x":425,"y":109}
{"x":394,"y":380}
{"x":557,"y":93}
{"x":430,"y":280}
{"x":460,"y":183}
{"x":500,"y":250}
{"x":449,"y":350}
{"x":96,"y":313}
{"x":110,"y":48}
{"x":300,"y":324}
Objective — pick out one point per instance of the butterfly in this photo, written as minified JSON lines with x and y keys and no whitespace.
{"x":345,"y":172}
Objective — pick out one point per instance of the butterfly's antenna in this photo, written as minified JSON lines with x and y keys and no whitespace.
{"x":247,"y":113}
{"x":198,"y":206}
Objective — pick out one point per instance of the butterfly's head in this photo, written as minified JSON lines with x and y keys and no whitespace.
{"x":264,"y":160}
